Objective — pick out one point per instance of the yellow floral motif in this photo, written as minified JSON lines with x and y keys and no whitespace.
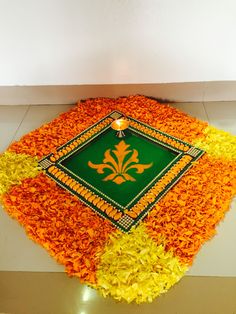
{"x":120,"y":164}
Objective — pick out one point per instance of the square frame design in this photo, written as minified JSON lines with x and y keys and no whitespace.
{"x":138,"y":208}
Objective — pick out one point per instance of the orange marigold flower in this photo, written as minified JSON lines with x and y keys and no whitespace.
{"x":70,"y":231}
{"x":48,"y":137}
{"x":187,"y":216}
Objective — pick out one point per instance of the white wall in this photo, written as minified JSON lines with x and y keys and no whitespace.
{"x":50,"y":42}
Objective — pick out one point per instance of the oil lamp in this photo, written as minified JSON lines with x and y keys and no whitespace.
{"x":120,"y":125}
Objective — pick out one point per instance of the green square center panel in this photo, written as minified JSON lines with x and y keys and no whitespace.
{"x":120,"y":178}
{"x":120,"y":169}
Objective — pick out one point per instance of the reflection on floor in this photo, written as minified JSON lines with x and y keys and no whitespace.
{"x":56,"y":293}
{"x":32,"y":293}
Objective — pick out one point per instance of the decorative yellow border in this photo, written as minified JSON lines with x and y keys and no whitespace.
{"x":85,"y":193}
{"x":153,"y":193}
{"x":160,"y":136}
{"x":65,"y":149}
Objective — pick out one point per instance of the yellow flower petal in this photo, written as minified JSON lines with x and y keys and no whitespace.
{"x":218,"y":143}
{"x":14,"y":168}
{"x":134,"y":268}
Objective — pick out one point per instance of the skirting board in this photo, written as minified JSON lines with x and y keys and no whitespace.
{"x":69,"y":94}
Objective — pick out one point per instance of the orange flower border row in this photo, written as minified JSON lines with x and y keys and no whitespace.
{"x":85,"y":243}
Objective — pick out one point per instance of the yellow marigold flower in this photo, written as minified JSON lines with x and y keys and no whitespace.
{"x":134,"y":268}
{"x":217,"y":143}
{"x":16,"y":167}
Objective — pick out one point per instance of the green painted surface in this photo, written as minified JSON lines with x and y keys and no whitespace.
{"x":148,"y":152}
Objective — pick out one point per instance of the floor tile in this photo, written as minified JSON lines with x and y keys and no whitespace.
{"x":10,"y":119}
{"x":38,"y":115}
{"x":222,"y":115}
{"x":195,"y":109}
{"x":53,"y":293}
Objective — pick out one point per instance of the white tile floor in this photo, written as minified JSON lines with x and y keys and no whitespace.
{"x":18,"y":253}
